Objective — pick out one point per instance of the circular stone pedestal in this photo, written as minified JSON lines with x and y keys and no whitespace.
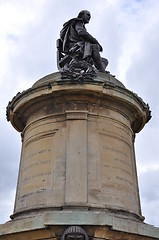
{"x":78,"y":146}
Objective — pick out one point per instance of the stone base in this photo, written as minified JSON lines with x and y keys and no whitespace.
{"x":78,"y":145}
{"x":78,"y":161}
{"x":96,"y":224}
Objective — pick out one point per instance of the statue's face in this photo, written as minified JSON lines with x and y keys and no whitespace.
{"x":75,"y":236}
{"x":86,"y":17}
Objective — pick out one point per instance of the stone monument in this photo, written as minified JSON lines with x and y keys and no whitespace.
{"x":77,"y":175}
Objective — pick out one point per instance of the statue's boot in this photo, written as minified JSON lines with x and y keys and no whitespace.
{"x":99,"y":65}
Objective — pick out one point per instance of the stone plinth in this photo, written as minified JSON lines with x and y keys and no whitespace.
{"x":99,"y":226}
{"x":78,"y":146}
{"x":78,"y":163}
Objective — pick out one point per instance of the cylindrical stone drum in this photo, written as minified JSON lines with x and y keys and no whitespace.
{"x":78,"y":146}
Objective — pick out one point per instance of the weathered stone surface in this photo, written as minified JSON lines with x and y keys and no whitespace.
{"x":76,"y":159}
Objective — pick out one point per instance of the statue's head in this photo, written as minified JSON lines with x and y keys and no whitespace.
{"x":74,"y":233}
{"x":85,"y":16}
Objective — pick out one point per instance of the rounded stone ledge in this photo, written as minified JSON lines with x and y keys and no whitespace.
{"x":52,"y":87}
{"x":86,"y":209}
{"x":56,"y":78}
{"x":103,"y":223}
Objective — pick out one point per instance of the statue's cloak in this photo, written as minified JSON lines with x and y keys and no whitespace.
{"x":71,"y":41}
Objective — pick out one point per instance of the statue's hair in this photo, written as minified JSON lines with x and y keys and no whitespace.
{"x":81,"y":13}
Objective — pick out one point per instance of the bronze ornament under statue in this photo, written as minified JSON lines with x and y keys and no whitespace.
{"x":78,"y":51}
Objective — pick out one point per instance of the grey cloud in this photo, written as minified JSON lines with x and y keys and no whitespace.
{"x":149,"y":186}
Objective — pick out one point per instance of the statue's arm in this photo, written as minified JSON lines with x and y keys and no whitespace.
{"x":81,"y":31}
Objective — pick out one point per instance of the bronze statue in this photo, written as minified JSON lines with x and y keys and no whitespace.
{"x":79,"y":49}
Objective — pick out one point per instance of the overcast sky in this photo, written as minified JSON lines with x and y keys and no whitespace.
{"x":128,"y":30}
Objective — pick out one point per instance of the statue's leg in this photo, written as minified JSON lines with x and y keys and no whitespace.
{"x":105,"y":62}
{"x":97,"y":58}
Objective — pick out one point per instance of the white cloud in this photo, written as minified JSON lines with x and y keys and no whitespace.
{"x":137,"y":22}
